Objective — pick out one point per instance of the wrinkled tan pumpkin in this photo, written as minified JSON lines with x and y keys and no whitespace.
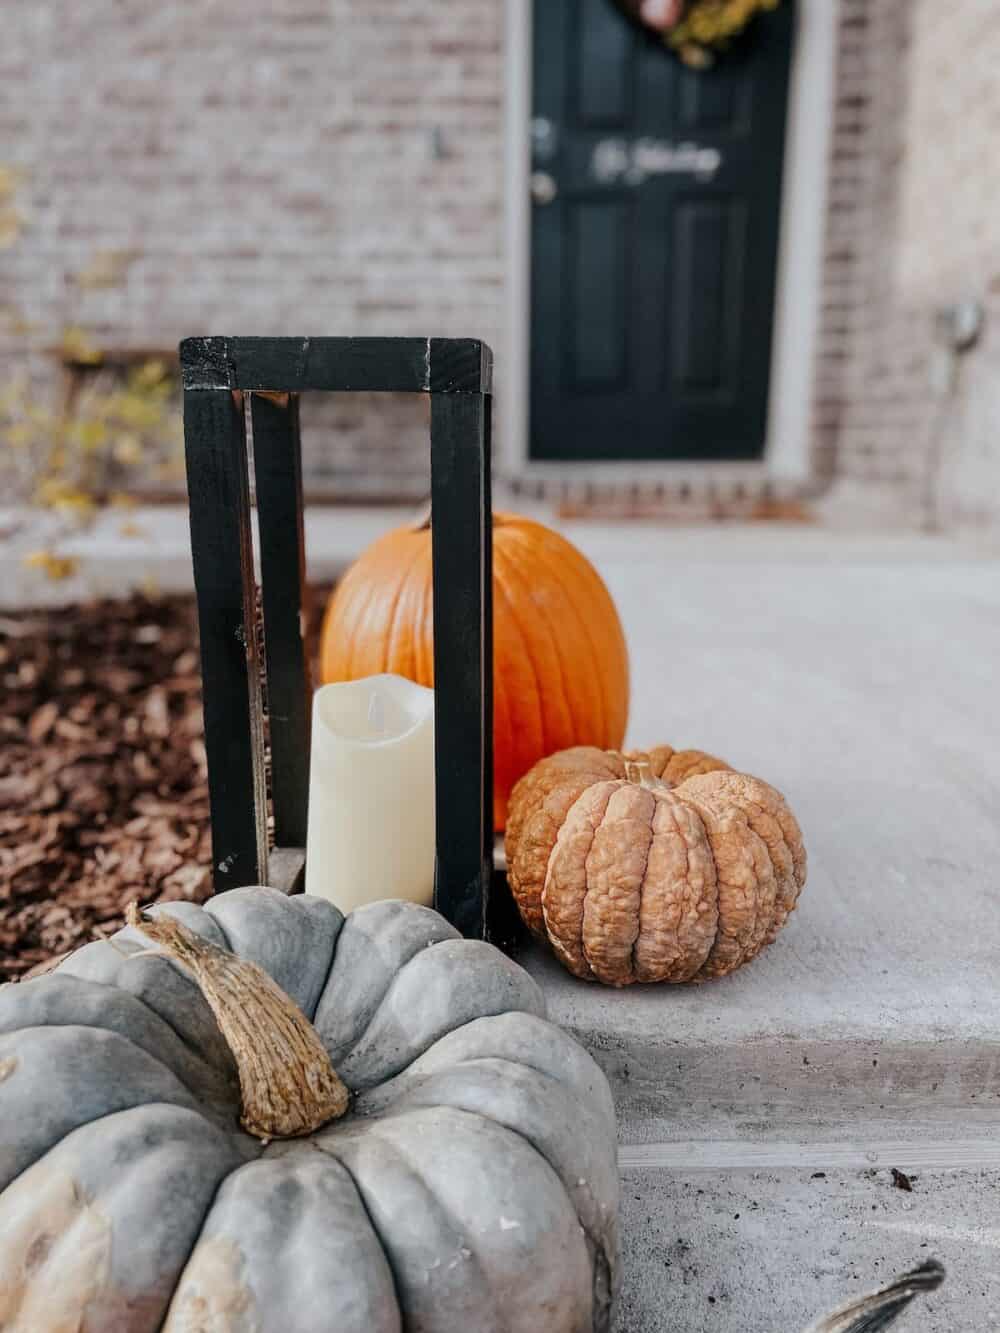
{"x":658,"y":866}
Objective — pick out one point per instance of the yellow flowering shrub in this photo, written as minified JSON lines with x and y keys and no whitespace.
{"x":116,"y":430}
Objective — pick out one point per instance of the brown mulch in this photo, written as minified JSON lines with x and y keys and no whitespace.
{"x":103,"y":778}
{"x":103,"y":787}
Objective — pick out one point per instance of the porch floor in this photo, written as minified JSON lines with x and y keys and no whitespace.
{"x":761,"y":1116}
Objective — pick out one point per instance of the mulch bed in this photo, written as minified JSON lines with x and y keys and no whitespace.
{"x":103,"y":779}
{"x":103,"y":786}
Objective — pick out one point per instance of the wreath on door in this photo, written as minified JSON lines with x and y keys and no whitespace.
{"x":697,"y":30}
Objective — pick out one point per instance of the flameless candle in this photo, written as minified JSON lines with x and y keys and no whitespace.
{"x":371,"y":793}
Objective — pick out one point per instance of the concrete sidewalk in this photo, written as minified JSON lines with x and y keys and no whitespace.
{"x":761,"y":1116}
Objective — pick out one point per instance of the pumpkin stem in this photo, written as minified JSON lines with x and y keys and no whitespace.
{"x":288,"y":1086}
{"x":422,"y":518}
{"x":638,"y":772}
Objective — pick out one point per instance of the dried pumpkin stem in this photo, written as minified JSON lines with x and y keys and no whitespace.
{"x":422,"y":519}
{"x":288,"y":1086}
{"x":639,"y":773}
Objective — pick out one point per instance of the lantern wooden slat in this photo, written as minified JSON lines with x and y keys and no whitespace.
{"x":222,"y":551}
{"x":277,"y":455}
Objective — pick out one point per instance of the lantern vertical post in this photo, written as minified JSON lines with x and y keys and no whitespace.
{"x":277,"y":453}
{"x":222,"y":553}
{"x":461,"y":533}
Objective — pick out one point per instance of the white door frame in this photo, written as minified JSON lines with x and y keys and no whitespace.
{"x":788,"y":450}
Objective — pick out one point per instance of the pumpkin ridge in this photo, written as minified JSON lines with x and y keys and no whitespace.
{"x":343,"y":595}
{"x":501,"y":594}
{"x":551,"y":1053}
{"x":642,"y":888}
{"x":326,"y":981}
{"x":512,"y":570}
{"x":567,"y":606}
{"x":424,"y":637}
{"x":360,"y":606}
{"x":603,"y":971}
{"x":621,"y":665}
{"x":227,"y":941}
{"x":770,"y":819}
{"x":786,"y":837}
{"x":192,"y":1102}
{"x":142,"y":999}
{"x":770,"y":884}
{"x":572,"y":950}
{"x":757,"y":814}
{"x":154,"y":1014}
{"x":658,"y":803}
{"x":197,"y":1094}
{"x":378,"y":941}
{"x":571,"y":1182}
{"x":359,"y":1037}
{"x":391,"y":1045}
{"x":533,"y":824}
{"x":544,"y":1165}
{"x":318,"y":1145}
{"x":396,"y":1111}
{"x":197,"y":1233}
{"x":554,"y":570}
{"x":253,"y":1280}
{"x":180,"y":1035}
{"x":719,"y":825}
{"x":433,"y":1205}
{"x":682,"y":898}
{"x":157,"y":1125}
{"x":388,"y":655}
{"x":570,"y":1185}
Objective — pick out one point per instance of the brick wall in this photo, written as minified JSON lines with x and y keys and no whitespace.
{"x":279,"y":166}
{"x":337,"y":166}
{"x":949,"y":246}
{"x":873,"y":353}
{"x":914,"y":228}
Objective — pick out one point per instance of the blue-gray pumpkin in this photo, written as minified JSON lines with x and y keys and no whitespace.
{"x":471,"y":1184}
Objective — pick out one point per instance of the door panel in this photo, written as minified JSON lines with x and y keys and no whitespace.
{"x":599,"y":319}
{"x":706,"y":102}
{"x":603,"y":74}
{"x":654,"y":256}
{"x":707,"y":301}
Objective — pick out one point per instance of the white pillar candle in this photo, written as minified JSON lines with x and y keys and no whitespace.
{"x":371,"y":793}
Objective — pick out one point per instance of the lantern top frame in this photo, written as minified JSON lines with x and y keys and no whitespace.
{"x":338,"y":365}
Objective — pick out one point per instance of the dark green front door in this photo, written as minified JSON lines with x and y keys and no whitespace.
{"x":656,"y":205}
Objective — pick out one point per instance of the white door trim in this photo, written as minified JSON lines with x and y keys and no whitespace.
{"x":788,"y":451}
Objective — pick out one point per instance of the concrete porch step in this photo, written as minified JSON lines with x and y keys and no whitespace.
{"x":759,"y":1171}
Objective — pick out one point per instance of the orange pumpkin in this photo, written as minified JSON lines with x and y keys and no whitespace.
{"x":560,"y":661}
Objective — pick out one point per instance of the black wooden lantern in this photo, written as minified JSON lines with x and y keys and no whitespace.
{"x":217,"y":373}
